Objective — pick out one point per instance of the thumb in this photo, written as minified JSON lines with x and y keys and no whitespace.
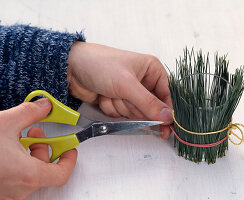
{"x":152,"y":107}
{"x":27,"y":113}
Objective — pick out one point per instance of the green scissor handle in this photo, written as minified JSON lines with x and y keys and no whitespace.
{"x":58,"y":144}
{"x":60,"y":114}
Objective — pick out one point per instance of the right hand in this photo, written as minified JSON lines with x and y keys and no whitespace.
{"x":21,"y":173}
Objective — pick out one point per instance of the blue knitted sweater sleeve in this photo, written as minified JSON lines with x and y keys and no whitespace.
{"x":32,"y":58}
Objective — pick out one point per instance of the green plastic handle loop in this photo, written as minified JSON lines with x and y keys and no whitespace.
{"x":59,"y":144}
{"x":60,"y":113}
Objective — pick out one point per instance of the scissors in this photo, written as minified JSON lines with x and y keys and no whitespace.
{"x":63,"y":114}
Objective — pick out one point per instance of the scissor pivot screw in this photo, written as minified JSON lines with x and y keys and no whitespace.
{"x":103,"y":129}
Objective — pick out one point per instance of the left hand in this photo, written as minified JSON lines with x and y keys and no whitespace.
{"x":124,"y":83}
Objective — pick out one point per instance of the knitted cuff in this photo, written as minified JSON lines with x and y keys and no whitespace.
{"x":32,"y":58}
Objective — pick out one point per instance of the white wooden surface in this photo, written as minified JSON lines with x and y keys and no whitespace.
{"x":144,"y":167}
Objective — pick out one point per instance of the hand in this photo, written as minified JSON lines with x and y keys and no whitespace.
{"x":21,"y":173}
{"x":124,"y":83}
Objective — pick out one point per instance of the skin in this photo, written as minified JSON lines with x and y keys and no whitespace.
{"x":21,"y":173}
{"x":123,"y":83}
{"x":105,"y":75}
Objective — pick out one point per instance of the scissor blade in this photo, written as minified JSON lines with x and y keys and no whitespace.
{"x":105,"y":128}
{"x":137,"y":132}
{"x":113,"y":127}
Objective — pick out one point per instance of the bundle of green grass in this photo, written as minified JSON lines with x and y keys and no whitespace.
{"x":203,"y":102}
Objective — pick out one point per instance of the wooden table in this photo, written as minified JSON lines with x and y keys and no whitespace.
{"x":144,"y":167}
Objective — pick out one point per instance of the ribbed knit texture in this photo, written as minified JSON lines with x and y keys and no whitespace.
{"x":32,"y":58}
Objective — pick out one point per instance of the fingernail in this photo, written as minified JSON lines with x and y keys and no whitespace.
{"x":44,"y":102}
{"x":166,"y":115}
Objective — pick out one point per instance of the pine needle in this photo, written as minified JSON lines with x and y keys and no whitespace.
{"x":203,"y":102}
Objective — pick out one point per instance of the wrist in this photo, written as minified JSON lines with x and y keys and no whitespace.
{"x":73,"y":61}
{"x":75,"y":74}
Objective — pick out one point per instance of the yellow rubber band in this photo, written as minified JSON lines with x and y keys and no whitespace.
{"x":230,"y":128}
{"x":230,"y":132}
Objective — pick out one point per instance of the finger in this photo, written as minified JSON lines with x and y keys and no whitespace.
{"x":146,"y":102}
{"x":153,"y":73}
{"x":39,"y":151}
{"x":166,"y":131}
{"x":27,"y":113}
{"x":107,"y":107}
{"x":58,"y":174}
{"x":81,"y":93}
{"x":156,"y":79}
{"x":162,"y":90}
{"x":137,"y":113}
{"x":168,"y":101}
{"x":121,"y":108}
